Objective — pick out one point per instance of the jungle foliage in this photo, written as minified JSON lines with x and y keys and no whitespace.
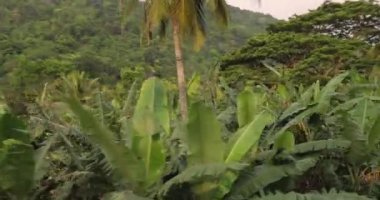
{"x":40,"y":40}
{"x":290,"y":140}
{"x":290,"y":115}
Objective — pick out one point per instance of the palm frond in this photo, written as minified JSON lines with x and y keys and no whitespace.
{"x":219,"y":10}
{"x":191,"y":18}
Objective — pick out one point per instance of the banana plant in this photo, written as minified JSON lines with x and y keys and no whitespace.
{"x":141,"y":164}
{"x":214,"y":163}
{"x":312,"y":101}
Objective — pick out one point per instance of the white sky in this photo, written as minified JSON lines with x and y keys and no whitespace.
{"x":281,"y":9}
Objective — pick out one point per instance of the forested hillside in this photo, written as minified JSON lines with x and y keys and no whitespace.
{"x":90,"y":111}
{"x":40,"y":39}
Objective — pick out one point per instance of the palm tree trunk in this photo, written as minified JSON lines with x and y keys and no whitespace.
{"x":180,"y":70}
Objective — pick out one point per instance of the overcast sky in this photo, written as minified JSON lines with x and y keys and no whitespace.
{"x":281,"y":9}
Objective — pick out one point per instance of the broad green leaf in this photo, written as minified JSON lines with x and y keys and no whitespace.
{"x":246,"y":137}
{"x":150,"y":118}
{"x":364,"y":114}
{"x":11,"y":127}
{"x":285,"y":141}
{"x":359,"y":151}
{"x":283,"y":93}
{"x":120,"y":157}
{"x":346,"y":105}
{"x":151,"y":150}
{"x":307,"y":96}
{"x":248,"y":106}
{"x":152,"y":101}
{"x":194,"y":85}
{"x":328,"y":91}
{"x":207,"y":172}
{"x":16,"y":157}
{"x":374,"y":134}
{"x":256,"y":178}
{"x":295,"y":120}
{"x":203,"y":136}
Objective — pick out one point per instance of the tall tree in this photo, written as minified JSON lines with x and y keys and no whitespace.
{"x":351,"y":19}
{"x":187,"y":18}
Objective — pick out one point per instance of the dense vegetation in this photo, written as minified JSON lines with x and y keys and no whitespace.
{"x":310,"y":47}
{"x":292,"y":114}
{"x":40,"y":40}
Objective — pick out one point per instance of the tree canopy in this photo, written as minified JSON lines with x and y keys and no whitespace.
{"x":351,"y":19}
{"x":314,"y":46}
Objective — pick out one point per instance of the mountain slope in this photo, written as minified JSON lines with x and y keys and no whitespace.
{"x":40,"y":39}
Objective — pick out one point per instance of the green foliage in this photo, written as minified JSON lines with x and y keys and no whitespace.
{"x":39,"y":42}
{"x":297,"y":56}
{"x":313,"y":123}
{"x":123,"y":195}
{"x":201,"y":172}
{"x":322,"y":196}
{"x":151,"y":117}
{"x":321,"y":145}
{"x":285,"y":141}
{"x":374,"y":134}
{"x":326,"y":93}
{"x":247,"y":138}
{"x":152,"y":106}
{"x":313,"y":46}
{"x":254,"y":180}
{"x":248,"y":106}
{"x":341,"y":20}
{"x":122,"y":158}
{"x":203,"y":136}
{"x":313,"y":101}
{"x":16,"y":158}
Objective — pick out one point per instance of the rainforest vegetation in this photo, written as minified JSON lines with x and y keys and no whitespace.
{"x":121,"y":99}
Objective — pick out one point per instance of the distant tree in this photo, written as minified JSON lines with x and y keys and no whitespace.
{"x":305,"y":57}
{"x":352,"y":19}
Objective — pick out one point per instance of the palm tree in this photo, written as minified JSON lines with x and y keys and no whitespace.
{"x":187,"y":18}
